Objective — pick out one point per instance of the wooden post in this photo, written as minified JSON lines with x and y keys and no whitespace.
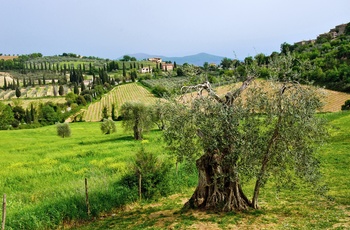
{"x":3,"y":212}
{"x":87,"y":197}
{"x":140,"y":183}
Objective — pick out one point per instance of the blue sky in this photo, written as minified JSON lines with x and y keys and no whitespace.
{"x":112,"y":28}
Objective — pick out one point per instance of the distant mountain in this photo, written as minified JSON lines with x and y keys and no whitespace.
{"x":197,"y":59}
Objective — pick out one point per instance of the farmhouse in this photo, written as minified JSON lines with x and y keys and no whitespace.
{"x":167,"y":66}
{"x":146,"y":70}
{"x":7,"y":57}
{"x":155,"y":59}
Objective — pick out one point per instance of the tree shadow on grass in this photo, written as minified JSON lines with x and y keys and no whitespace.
{"x":93,"y":142}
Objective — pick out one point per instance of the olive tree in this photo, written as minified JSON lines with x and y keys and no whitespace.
{"x":63,"y":130}
{"x":255,"y":132}
{"x":136,"y":116}
{"x":6,"y":116}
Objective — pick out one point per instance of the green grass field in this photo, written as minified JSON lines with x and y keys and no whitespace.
{"x":43,"y":178}
{"x":288,"y":209}
{"x":43,"y":174}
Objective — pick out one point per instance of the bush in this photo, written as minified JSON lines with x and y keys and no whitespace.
{"x":346,"y":105}
{"x":155,"y":174}
{"x":108,"y":126}
{"x":160,"y":91}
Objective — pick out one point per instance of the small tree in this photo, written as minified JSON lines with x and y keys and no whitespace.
{"x":150,"y":174}
{"x":113,"y":116}
{"x":61,"y":90}
{"x":63,"y":130}
{"x":18,"y":92}
{"x":76,"y":89}
{"x":136,"y":117}
{"x":346,"y":105}
{"x":108,"y":126}
{"x":104,"y":112}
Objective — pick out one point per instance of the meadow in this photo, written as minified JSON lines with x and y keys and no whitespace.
{"x":43,"y":175}
{"x":43,"y":178}
{"x":299,"y":208}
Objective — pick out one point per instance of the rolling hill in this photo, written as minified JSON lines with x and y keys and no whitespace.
{"x":197,"y":59}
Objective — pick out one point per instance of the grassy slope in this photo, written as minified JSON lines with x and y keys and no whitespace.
{"x":43,"y":174}
{"x":298,"y":209}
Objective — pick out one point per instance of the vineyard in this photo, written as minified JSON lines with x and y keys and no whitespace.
{"x":118,"y":96}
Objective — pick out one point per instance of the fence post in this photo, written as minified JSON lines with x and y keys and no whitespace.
{"x":140,"y":184}
{"x":87,"y":197}
{"x":3,"y":212}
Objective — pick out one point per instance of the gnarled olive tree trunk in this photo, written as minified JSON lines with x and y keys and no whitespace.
{"x":217,"y":189}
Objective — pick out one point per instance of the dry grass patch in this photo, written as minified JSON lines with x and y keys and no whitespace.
{"x":333,"y":99}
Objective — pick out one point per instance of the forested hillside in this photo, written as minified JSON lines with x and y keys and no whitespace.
{"x":330,"y":56}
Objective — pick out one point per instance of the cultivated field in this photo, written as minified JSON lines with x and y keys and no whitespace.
{"x":118,"y":96}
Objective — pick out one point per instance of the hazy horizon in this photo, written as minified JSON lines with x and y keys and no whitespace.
{"x":111,"y":29}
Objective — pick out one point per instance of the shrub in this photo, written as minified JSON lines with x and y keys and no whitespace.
{"x":346,"y":105}
{"x":154,"y":172}
{"x":160,"y":91}
{"x":108,"y":126}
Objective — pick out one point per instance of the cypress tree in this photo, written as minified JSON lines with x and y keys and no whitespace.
{"x":5,"y":83}
{"x":32,"y":112}
{"x":76,"y":89}
{"x":90,"y":68}
{"x":113,"y":113}
{"x":61,"y":90}
{"x":82,"y":86}
{"x":18,"y":92}
{"x":28,"y":118}
{"x":124,"y":70}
